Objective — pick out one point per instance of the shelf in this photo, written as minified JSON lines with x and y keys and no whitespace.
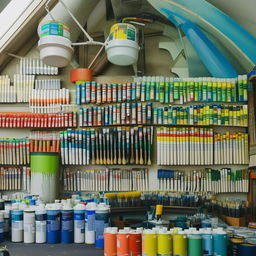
{"x":143,"y":209}
{"x":161,"y":125}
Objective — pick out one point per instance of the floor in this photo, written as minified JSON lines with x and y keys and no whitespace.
{"x":21,"y":249}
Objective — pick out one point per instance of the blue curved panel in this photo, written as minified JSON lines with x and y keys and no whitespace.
{"x":206,"y":15}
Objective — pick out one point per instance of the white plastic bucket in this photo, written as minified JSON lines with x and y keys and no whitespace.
{"x":122,"y":46}
{"x":55,"y":50}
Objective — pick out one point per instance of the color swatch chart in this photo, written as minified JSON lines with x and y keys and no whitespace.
{"x":14,"y":151}
{"x":121,"y":145}
{"x":32,"y":120}
{"x":165,"y":90}
{"x":224,"y":115}
{"x":116,"y":179}
{"x":224,"y":180}
{"x":119,"y":114}
{"x":199,"y":146}
{"x":15,"y":178}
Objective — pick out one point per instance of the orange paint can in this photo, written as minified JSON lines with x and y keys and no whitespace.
{"x":135,"y":241}
{"x":122,"y":243}
{"x":110,"y":242}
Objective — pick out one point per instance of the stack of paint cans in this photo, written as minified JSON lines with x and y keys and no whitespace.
{"x":122,"y":243}
{"x":163,"y":242}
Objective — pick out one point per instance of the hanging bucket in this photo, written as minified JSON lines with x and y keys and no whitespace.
{"x":122,"y":47}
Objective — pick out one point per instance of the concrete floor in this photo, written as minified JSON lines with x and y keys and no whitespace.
{"x":21,"y":249}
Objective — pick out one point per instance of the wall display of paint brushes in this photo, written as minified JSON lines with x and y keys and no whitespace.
{"x":47,"y":84}
{"x":121,"y":145}
{"x":224,"y":115}
{"x":119,"y":114}
{"x":115,"y":179}
{"x":14,"y":151}
{"x":33,"y":66}
{"x":19,"y":92}
{"x":231,"y":148}
{"x":184,"y":146}
{"x":32,"y":120}
{"x":15,"y":178}
{"x":198,"y":146}
{"x":165,"y":90}
{"x":182,"y":90}
{"x":48,"y":100}
{"x":224,"y":180}
{"x":41,"y":141}
{"x":235,"y":208}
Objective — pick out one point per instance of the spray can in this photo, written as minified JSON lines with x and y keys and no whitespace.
{"x":101,"y":222}
{"x":41,"y":224}
{"x":17,"y":225}
{"x":149,"y":243}
{"x":110,"y":247}
{"x":1,"y":226}
{"x":122,"y":243}
{"x":135,"y":242}
{"x":90,"y":223}
{"x":164,"y":243}
{"x":53,"y":224}
{"x":29,"y":226}
{"x":220,"y":242}
{"x":67,"y":225}
{"x":79,"y":225}
{"x":207,"y":242}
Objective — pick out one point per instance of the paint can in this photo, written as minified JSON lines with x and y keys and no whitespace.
{"x":195,"y":244}
{"x":164,"y":243}
{"x":207,"y":242}
{"x":29,"y":226}
{"x":6,"y":223}
{"x":53,"y":224}
{"x":110,"y":242}
{"x":135,"y":243}
{"x":67,"y":225}
{"x":247,"y":250}
{"x":122,"y":243}
{"x":17,"y":225}
{"x":149,"y":243}
{"x":1,"y":226}
{"x":41,"y":224}
{"x":101,"y":222}
{"x":180,"y":244}
{"x":1,"y":204}
{"x":90,"y":210}
{"x":79,"y":224}
{"x":220,"y":242}
{"x":235,"y":244}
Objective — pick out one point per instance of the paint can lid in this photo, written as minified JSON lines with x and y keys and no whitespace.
{"x":122,"y":231}
{"x":79,"y":207}
{"x":91,"y":206}
{"x":67,"y":207}
{"x":149,"y":232}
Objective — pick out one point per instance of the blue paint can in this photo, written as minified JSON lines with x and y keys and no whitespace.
{"x":90,"y":210}
{"x":53,"y":224}
{"x":17,"y":225}
{"x":101,"y":222}
{"x":67,"y":225}
{"x":220,"y":242}
{"x":1,"y":226}
{"x":79,"y":223}
{"x":207,"y":242}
